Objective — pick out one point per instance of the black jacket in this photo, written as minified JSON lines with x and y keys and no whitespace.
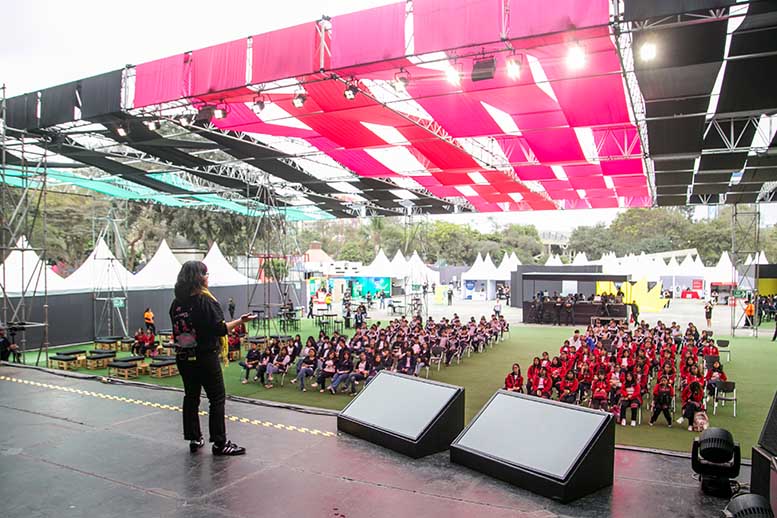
{"x":205,"y":315}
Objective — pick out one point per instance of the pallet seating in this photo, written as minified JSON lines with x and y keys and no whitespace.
{"x":122,"y":369}
{"x":64,"y":362}
{"x":105,"y":344}
{"x":163,"y":369}
{"x":99,"y":360}
{"x":126,"y":343}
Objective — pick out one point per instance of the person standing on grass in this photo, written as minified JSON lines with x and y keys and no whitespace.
{"x":200,"y":337}
{"x":231,"y":308}
{"x":148,"y":318}
{"x":708,"y":313}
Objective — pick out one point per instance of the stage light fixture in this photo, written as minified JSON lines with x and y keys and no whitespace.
{"x":401,"y":80}
{"x":647,"y":52}
{"x":219,"y":112}
{"x":351,"y":91}
{"x":299,"y":100}
{"x":258,"y":105}
{"x":153,"y":125}
{"x":513,"y":68}
{"x":452,"y":75}
{"x":576,"y":57}
{"x":716,"y":458}
{"x":185,"y":120}
{"x":748,"y":505}
{"x":483,"y":69}
{"x":122,"y":131}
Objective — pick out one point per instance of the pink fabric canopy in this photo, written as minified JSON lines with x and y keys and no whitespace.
{"x":564,"y":129}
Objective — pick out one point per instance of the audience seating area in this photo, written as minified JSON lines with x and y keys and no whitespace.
{"x":616,"y":369}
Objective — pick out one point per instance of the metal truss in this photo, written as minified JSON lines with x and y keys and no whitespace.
{"x":733,"y":137}
{"x":21,"y":207}
{"x":110,"y":310}
{"x":745,"y":233}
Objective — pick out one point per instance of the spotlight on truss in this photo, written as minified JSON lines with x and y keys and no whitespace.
{"x":153,"y":125}
{"x":576,"y":57}
{"x":513,"y":67}
{"x":350,"y":92}
{"x":122,"y":130}
{"x":401,"y":79}
{"x":219,"y":112}
{"x":258,"y":105}
{"x":299,"y":100}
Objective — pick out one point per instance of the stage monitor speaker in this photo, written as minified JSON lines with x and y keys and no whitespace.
{"x":768,"y":439}
{"x":413,"y":416}
{"x":763,"y":475}
{"x":554,"y":449}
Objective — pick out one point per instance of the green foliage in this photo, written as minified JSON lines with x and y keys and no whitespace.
{"x":275,"y":269}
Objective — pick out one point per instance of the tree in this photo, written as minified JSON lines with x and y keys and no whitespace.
{"x":593,"y":241}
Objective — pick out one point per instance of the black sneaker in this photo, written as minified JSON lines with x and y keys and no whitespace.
{"x":196,"y":445}
{"x":229,"y":448}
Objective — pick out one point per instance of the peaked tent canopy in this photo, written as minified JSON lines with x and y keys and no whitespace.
{"x":24,"y":272}
{"x":160,"y":272}
{"x":379,"y":267}
{"x":220,"y":272}
{"x":100,"y":272}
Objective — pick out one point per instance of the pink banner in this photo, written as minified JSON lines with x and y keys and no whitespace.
{"x":159,"y":81}
{"x":622,"y":167}
{"x":555,"y":145}
{"x":587,"y":182}
{"x":448,"y":24}
{"x":533,"y":17}
{"x":386,"y":36}
{"x":592,"y":101}
{"x":219,"y":68}
{"x":289,"y":52}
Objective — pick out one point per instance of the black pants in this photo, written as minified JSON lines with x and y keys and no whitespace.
{"x":152,"y":327}
{"x":569,"y":318}
{"x":625,"y":406}
{"x":658,"y":411}
{"x":203,"y":373}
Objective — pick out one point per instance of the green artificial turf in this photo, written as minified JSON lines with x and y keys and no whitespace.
{"x":753,"y":366}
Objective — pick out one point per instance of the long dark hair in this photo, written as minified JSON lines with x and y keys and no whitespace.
{"x":191,"y":279}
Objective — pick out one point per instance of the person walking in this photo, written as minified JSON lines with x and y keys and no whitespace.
{"x":200,"y":337}
{"x":231,"y":308}
{"x":148,"y":318}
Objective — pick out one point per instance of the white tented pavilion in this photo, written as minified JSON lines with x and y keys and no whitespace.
{"x":220,"y":272}
{"x":160,"y":272}
{"x":24,"y":272}
{"x":379,"y":267}
{"x":479,"y":282}
{"x":101,"y":271}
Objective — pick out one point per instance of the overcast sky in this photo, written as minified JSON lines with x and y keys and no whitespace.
{"x":49,"y":42}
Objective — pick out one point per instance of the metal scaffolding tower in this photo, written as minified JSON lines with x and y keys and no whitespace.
{"x":110,"y":308}
{"x":23,"y":186}
{"x":745,"y":230}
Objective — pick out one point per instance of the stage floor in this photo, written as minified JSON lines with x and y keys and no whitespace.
{"x":72,"y":447}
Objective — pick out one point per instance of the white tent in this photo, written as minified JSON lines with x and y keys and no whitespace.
{"x":100,"y":272}
{"x":220,"y":272}
{"x":379,"y":267}
{"x":580,"y":259}
{"x":160,"y":272}
{"x":419,"y":273}
{"x":514,"y":260}
{"x":749,"y":260}
{"x":506,"y":268}
{"x":554,"y":260}
{"x":762,"y":258}
{"x":24,"y":272}
{"x":483,"y":271}
{"x":399,"y":268}
{"x":721,"y":272}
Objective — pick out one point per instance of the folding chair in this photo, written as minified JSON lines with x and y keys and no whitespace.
{"x":437,"y":356}
{"x":709,"y":359}
{"x":723,"y":347}
{"x":725,"y":391}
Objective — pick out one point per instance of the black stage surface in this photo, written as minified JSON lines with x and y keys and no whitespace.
{"x":74,"y":447}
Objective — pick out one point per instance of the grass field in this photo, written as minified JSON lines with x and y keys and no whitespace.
{"x":753,"y":366}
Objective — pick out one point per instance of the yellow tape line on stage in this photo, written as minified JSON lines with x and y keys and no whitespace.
{"x":234,"y":419}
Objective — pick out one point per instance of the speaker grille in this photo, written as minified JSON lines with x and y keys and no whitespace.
{"x":768,"y":440}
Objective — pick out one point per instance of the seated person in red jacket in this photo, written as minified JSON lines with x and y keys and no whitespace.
{"x":714,"y":376}
{"x":630,"y":398}
{"x":615,"y":379}
{"x":542,"y":385}
{"x":545,"y":360}
{"x":710,"y":349}
{"x":663,"y":394}
{"x":138,"y":347}
{"x":514,"y":380}
{"x":568,"y":388}
{"x":531,"y":373}
{"x":600,"y":392}
{"x":693,"y":374}
{"x":668,"y":371}
{"x":148,"y":341}
{"x":693,"y":397}
{"x":585,"y":378}
{"x":556,"y":371}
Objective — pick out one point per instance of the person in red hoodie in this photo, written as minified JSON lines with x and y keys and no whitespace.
{"x":542,"y":385}
{"x":663,"y":394}
{"x":556,"y":371}
{"x":568,"y":388}
{"x":626,"y":361}
{"x":531,"y":373}
{"x":600,"y":392}
{"x":714,"y":376}
{"x":514,"y":380}
{"x":585,"y":378}
{"x":630,"y":398}
{"x":692,"y":397}
{"x":710,"y":349}
{"x":615,"y":379}
{"x":694,"y":374}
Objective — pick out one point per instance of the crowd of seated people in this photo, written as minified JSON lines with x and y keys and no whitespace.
{"x":340,"y":363}
{"x":145,"y":343}
{"x":612,"y":368}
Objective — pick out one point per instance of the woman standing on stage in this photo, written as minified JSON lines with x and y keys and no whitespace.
{"x":200,"y":336}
